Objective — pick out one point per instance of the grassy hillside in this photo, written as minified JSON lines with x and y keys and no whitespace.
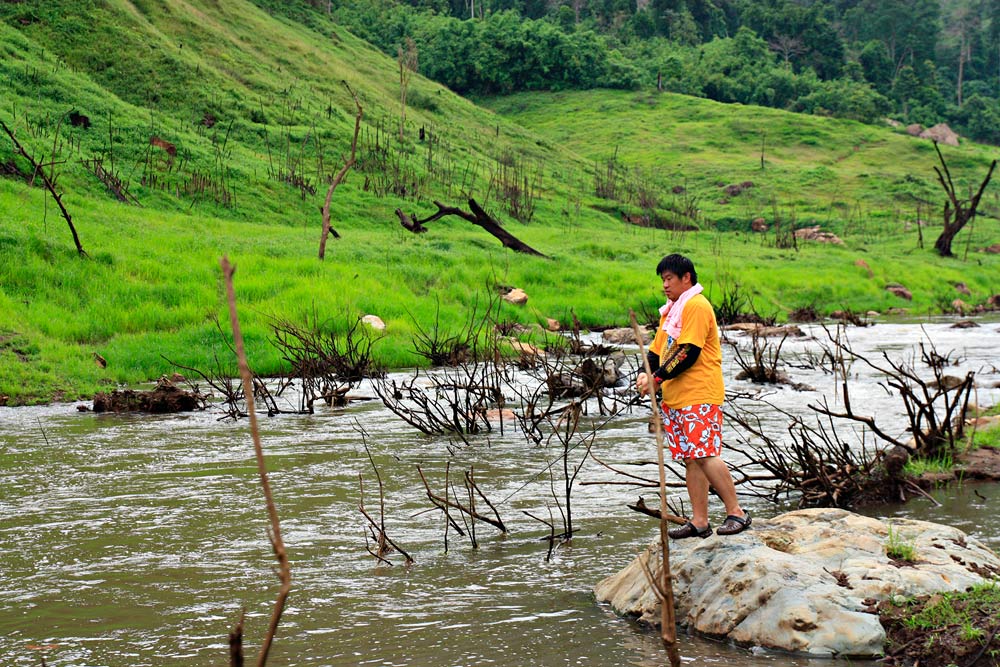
{"x":257,"y":111}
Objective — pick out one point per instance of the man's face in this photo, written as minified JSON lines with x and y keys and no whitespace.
{"x":674,"y":286}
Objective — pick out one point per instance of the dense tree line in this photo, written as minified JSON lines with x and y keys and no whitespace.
{"x":920,"y":61}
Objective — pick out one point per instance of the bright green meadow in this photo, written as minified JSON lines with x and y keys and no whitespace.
{"x":257,"y":109}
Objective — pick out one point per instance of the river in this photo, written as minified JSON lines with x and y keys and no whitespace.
{"x":137,"y":539}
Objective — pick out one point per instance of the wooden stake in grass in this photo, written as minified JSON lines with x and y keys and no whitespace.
{"x":284,"y":570}
{"x":348,"y":163}
{"x":664,"y":589}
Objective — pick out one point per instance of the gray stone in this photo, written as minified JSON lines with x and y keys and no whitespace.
{"x":802,"y":581}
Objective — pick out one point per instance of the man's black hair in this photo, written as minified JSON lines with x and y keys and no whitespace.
{"x":677,"y":265}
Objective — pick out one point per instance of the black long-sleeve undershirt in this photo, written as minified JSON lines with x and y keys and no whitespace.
{"x":679,"y":358}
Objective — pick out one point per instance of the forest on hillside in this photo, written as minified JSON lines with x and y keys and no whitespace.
{"x":916,"y":61}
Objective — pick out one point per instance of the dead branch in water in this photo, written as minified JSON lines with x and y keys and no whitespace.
{"x":284,"y":569}
{"x":443,"y":503}
{"x":384,"y":545}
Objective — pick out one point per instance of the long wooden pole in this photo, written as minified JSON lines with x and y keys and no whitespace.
{"x":284,"y":570}
{"x":668,"y":627}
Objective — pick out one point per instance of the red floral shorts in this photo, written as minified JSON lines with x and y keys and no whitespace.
{"x":694,"y":432}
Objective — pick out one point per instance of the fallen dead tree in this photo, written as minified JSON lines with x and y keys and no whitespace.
{"x":477,"y":216}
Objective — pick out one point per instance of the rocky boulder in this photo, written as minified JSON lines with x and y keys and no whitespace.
{"x":942,"y":134}
{"x":624,"y":335}
{"x":900,"y":291}
{"x":516,"y":296}
{"x":806,"y":581}
{"x":758,"y":329}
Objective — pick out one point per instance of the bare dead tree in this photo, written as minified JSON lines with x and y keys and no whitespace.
{"x":39,"y":170}
{"x":348,"y":163}
{"x":477,"y":216}
{"x":935,"y":408}
{"x":957,"y":212}
{"x":277,"y":544}
{"x":759,"y":364}
{"x":820,"y":466}
{"x":326,"y":364}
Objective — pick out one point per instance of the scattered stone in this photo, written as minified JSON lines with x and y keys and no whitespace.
{"x":962,"y":288}
{"x":941,"y":133}
{"x":964,"y":324}
{"x":898,"y":311}
{"x":552,"y":324}
{"x":374,"y":321}
{"x":759,"y":225}
{"x":804,"y":581}
{"x":872,"y":313}
{"x":766,"y":331}
{"x":177,"y":378}
{"x":4,"y":398}
{"x":516,"y":296}
{"x":914,"y":130}
{"x":900,"y":291}
{"x":678,"y":189}
{"x":524,"y":349}
{"x":83,"y":408}
{"x":814,"y":233}
{"x":590,"y":376}
{"x":165,"y":398}
{"x":625,"y":336}
{"x":100,"y":361}
{"x":733,"y":190}
{"x":864,"y":265}
{"x":993,"y":249}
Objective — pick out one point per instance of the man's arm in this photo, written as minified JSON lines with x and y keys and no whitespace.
{"x":678,"y":359}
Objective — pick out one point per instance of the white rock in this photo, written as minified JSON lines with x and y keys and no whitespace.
{"x":374,"y":321}
{"x":773,"y":585}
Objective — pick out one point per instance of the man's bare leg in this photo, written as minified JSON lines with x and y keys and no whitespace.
{"x":714,"y":471}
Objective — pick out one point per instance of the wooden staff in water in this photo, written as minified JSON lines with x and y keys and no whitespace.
{"x":664,"y":588}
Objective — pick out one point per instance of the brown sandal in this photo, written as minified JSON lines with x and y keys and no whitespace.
{"x":734,"y":524}
{"x":689,"y":530}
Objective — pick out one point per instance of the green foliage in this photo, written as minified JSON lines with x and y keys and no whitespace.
{"x":897,"y":548}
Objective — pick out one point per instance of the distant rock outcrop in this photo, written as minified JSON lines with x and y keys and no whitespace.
{"x":807,"y":581}
{"x":941,"y":133}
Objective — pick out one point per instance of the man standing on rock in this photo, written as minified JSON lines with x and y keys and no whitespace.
{"x":687,"y":357}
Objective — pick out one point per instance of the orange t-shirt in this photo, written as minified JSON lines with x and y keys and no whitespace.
{"x":702,"y":383}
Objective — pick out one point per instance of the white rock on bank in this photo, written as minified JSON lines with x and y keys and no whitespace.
{"x":798,"y":582}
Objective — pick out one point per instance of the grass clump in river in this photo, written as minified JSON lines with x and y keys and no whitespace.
{"x":953,"y":628}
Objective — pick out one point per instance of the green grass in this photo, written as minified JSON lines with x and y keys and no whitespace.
{"x":916,"y":466}
{"x":150,"y":290}
{"x":987,"y":437}
{"x":898,"y":548}
{"x":957,"y":609}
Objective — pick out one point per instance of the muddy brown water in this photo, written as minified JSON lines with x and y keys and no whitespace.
{"x":137,"y":539}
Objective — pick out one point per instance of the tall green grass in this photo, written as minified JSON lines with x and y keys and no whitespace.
{"x":150,"y":290}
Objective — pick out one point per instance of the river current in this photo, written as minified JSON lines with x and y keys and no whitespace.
{"x":138,"y":539}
